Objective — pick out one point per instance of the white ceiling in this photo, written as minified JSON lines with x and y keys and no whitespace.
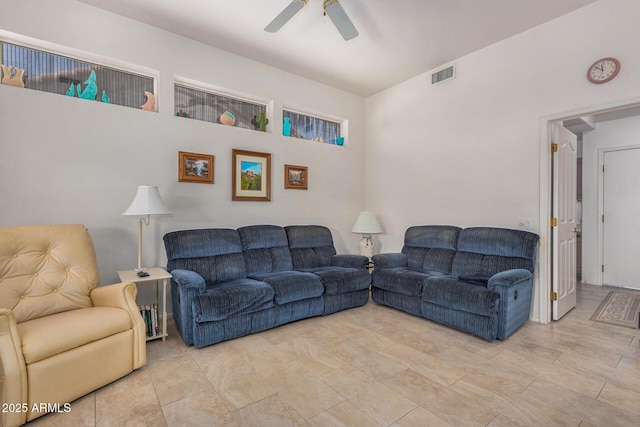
{"x":399,"y":39}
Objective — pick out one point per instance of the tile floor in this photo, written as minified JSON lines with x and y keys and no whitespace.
{"x":374,"y":366}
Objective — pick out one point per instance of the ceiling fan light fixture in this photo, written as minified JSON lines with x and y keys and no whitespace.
{"x":340,"y":19}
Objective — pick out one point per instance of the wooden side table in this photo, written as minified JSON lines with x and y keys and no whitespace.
{"x":156,"y":274}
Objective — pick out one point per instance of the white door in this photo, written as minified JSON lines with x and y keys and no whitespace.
{"x":621,"y":225}
{"x":564,"y":211}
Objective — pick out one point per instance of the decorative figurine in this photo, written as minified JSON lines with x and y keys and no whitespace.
{"x":260,"y":122}
{"x":286,"y":127}
{"x":12,"y":76}
{"x":227,"y":118}
{"x":72,"y":90}
{"x":91,"y":90}
{"x":150,"y":105}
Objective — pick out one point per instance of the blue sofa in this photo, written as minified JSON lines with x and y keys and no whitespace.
{"x":478,"y":280}
{"x":228,"y":283}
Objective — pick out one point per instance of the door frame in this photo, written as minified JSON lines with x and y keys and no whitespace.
{"x":542,"y":295}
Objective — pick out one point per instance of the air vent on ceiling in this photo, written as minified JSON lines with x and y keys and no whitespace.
{"x":443,"y":74}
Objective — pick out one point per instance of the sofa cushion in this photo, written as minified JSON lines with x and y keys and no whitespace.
{"x":402,"y":280}
{"x":431,"y":247}
{"x":266,"y":248}
{"x":215,"y":254}
{"x":486,"y":251}
{"x":292,"y":286}
{"x":233,"y":297}
{"x":340,"y":280}
{"x":54,"y":334}
{"x":449,"y":292}
{"x":475,"y":280}
{"x":310,"y":245}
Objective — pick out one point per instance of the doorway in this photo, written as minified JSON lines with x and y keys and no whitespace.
{"x":542,"y":300}
{"x":620,"y":213}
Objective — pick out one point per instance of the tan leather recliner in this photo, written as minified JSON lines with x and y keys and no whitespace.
{"x":61,"y":335}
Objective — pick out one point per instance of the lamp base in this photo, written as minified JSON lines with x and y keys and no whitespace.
{"x":366,"y":245}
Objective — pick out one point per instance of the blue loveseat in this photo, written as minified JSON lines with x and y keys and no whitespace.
{"x":228,"y":283}
{"x":478,"y":280}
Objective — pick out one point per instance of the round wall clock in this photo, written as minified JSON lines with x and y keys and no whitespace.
{"x":603,"y":70}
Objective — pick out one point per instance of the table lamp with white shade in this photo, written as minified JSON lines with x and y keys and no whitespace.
{"x":366,"y":224}
{"x":146,"y":203}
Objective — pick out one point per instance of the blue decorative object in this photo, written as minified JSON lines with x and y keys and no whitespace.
{"x":105,"y":98}
{"x":72,"y":90}
{"x":91,"y":90}
{"x":286,"y":127}
{"x":340,"y":140}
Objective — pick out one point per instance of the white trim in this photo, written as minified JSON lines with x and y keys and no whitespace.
{"x":320,"y":116}
{"x":84,"y":56}
{"x":218,"y":90}
{"x":544,"y":278}
{"x":228,"y":93}
{"x":80,"y":55}
{"x":344,"y":123}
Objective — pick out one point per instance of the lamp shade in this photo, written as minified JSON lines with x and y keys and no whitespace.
{"x":147,"y":202}
{"x":366,"y":224}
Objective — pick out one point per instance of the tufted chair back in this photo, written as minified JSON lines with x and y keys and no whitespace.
{"x":46,"y":269}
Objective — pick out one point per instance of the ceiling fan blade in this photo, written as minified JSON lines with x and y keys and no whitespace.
{"x":340,"y":19}
{"x":286,"y":14}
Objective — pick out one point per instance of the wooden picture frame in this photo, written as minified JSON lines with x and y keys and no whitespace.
{"x":195,"y":167}
{"x":296,"y":177}
{"x":251,"y":176}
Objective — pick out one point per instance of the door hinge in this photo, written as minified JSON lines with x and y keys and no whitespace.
{"x":603,"y":268}
{"x":554,"y":222}
{"x":603,"y":218}
{"x":554,"y":148}
{"x":554,"y":296}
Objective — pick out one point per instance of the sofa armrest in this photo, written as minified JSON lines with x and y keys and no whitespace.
{"x":13,"y":370}
{"x":185,"y":286}
{"x":389,"y":260}
{"x":508,"y":278}
{"x":123,"y":295}
{"x":188,"y":279}
{"x":352,"y":261}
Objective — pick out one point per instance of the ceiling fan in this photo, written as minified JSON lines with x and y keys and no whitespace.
{"x":331,"y":8}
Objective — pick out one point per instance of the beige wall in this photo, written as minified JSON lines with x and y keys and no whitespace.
{"x":69,"y":160}
{"x":467,"y":151}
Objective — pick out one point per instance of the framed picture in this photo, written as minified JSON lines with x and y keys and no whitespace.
{"x":251,"y":176}
{"x":194,"y":167}
{"x":296,"y":177}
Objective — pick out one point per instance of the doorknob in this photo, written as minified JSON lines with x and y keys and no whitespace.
{"x":577,"y":230}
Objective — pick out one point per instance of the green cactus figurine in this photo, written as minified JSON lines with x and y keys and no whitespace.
{"x":261,"y":122}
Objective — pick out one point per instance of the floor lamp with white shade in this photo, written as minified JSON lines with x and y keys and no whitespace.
{"x":146,"y":203}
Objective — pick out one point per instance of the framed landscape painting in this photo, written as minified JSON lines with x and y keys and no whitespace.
{"x":296,"y":177}
{"x":251,"y":176}
{"x":194,"y":167}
